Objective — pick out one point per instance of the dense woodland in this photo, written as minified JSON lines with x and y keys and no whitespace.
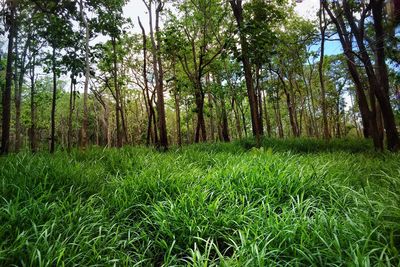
{"x":75,"y":73}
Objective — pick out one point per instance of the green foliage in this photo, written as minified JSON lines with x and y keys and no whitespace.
{"x":203,"y":205}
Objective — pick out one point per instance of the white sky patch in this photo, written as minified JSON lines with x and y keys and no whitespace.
{"x":307,"y":8}
{"x":135,"y":9}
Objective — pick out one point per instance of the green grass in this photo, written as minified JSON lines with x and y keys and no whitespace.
{"x":294,"y":202}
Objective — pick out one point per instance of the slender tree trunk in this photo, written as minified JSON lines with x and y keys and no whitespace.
{"x":149,"y":105}
{"x":322,"y":26}
{"x":338,"y":127}
{"x":187,"y":123}
{"x":259,"y":100}
{"x":177,"y":105}
{"x":53,"y":104}
{"x":224,"y":121}
{"x":212,"y":123}
{"x":178,"y":118}
{"x":243,"y":119}
{"x":6,"y":97}
{"x":33,"y":107}
{"x":86,"y":84}
{"x":123,"y":121}
{"x":117,"y":95}
{"x":107,"y":125}
{"x":266,"y":115}
{"x":17,"y":97}
{"x":237,"y":118}
{"x":71,"y":112}
{"x":290,"y":106}
{"x":278,"y":116}
{"x":201,"y":124}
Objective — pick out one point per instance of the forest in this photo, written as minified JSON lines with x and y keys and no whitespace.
{"x":200,"y":133}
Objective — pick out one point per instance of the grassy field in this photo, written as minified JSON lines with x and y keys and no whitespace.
{"x":293,"y":202}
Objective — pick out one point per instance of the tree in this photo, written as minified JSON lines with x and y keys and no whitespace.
{"x":6,"y":96}
{"x":202,"y":37}
{"x":237,"y":9}
{"x":158,"y":70}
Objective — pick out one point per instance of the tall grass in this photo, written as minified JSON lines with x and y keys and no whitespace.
{"x":297,"y":202}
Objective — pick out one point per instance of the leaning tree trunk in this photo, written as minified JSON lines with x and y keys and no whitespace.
{"x":367,"y":122}
{"x":377,"y":87}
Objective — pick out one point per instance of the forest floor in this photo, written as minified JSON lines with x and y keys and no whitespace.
{"x":293,"y":202}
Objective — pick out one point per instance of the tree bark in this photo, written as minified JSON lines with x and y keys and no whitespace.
{"x":382,"y":93}
{"x":6,"y":97}
{"x":368,"y":121}
{"x":158,"y":74}
{"x":53,"y":104}
{"x":237,"y":8}
{"x":237,"y":118}
{"x":33,"y":106}
{"x":117,"y":95}
{"x":266,"y":115}
{"x":322,"y":27}
{"x":86,"y":84}
{"x":71,"y":111}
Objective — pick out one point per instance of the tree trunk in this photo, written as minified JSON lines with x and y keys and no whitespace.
{"x":369,"y":124}
{"x":278,"y":116}
{"x":17,"y":98}
{"x":178,"y":118}
{"x":33,"y":107}
{"x":322,"y":26}
{"x":238,"y":13}
{"x":158,"y":74}
{"x":266,"y":115}
{"x":86,"y":84}
{"x":6,"y":97}
{"x":117,"y":95}
{"x":212,"y":123}
{"x":224,"y":121}
{"x":259,"y":100}
{"x":71,"y":112}
{"x":53,"y":104}
{"x":237,"y":118}
{"x":382,"y":93}
{"x":200,"y":134}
